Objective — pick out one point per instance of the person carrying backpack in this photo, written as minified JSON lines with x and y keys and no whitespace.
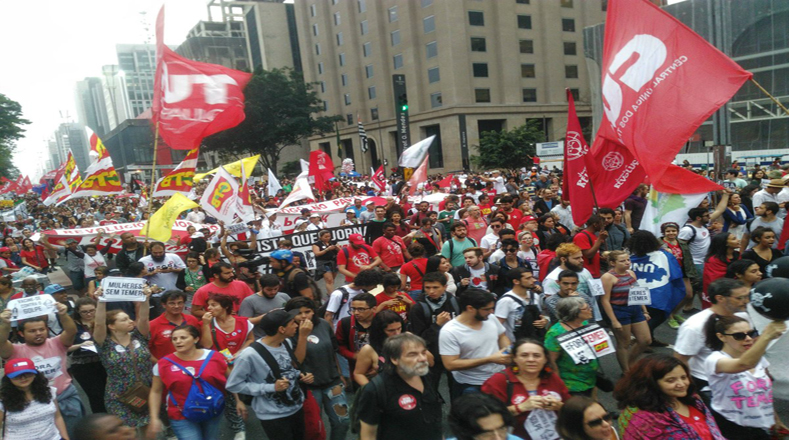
{"x":518,"y":310}
{"x":193,"y":380}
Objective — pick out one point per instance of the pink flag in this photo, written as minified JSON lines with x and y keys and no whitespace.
{"x":419,"y":176}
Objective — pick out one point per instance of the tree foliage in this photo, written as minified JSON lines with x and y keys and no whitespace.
{"x":11,"y":130}
{"x":508,"y":149}
{"x":280,"y":111}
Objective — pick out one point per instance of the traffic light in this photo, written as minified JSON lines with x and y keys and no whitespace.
{"x":403,"y":102}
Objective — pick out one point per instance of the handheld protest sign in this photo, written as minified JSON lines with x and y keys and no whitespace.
{"x":117,"y":289}
{"x":31,"y":307}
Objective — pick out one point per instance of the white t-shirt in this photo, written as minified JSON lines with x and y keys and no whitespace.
{"x":164,"y":280}
{"x":489,"y":241}
{"x":477,"y":278}
{"x":743,"y":398}
{"x":509,"y":309}
{"x":335,"y":303}
{"x":699,"y":245}
{"x":692,"y":342}
{"x":776,"y":225}
{"x":91,"y":263}
{"x":36,"y":421}
{"x":457,"y":339}
{"x":498,"y":185}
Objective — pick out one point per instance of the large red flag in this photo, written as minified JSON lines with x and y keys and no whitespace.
{"x":322,"y":169}
{"x":661,"y":81}
{"x":193,"y":100}
{"x":575,"y":184}
{"x":379,"y":179}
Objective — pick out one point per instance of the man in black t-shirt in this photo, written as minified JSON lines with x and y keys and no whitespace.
{"x":294,"y":285}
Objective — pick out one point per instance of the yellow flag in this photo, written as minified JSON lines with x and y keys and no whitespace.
{"x":234,"y":168}
{"x":160,"y":226}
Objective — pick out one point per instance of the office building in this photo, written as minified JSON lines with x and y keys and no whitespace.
{"x":222,"y":43}
{"x":138,"y":64}
{"x":91,"y":106}
{"x":72,"y":135}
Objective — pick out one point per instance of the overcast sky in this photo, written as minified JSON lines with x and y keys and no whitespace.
{"x":47,"y":46}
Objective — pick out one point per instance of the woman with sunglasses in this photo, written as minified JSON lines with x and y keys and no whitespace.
{"x":29,"y":406}
{"x":582,"y":418}
{"x":741,"y":386}
{"x":659,"y":402}
{"x":86,"y":365}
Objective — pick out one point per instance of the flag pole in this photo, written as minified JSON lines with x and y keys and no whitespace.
{"x":594,"y":196}
{"x":773,"y":98}
{"x":151,"y":188}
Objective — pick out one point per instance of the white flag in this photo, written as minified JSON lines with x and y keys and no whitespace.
{"x":219,"y":197}
{"x":305,"y":166}
{"x":414,"y":155}
{"x":301,"y":190}
{"x":663,"y":208}
{"x":273,"y":183}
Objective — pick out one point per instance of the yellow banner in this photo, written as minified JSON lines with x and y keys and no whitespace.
{"x":160,"y":226}
{"x":234,"y":168}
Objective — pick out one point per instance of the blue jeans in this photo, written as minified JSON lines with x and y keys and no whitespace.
{"x":335,"y":405}
{"x":414,"y":294}
{"x":186,"y":430}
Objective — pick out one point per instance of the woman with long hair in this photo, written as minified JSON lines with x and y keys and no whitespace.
{"x":369,"y":360}
{"x":123,"y":349}
{"x":763,"y":253}
{"x":738,"y":373}
{"x":100,"y":273}
{"x":546,"y":226}
{"x":439,"y":263}
{"x":735,"y":216}
{"x":326,"y":251}
{"x":746,"y":271}
{"x":86,"y":367}
{"x":28,"y":404}
{"x":681,"y":251}
{"x":659,"y":402}
{"x":401,"y":229}
{"x":227,"y":334}
{"x":33,"y":256}
{"x":528,"y":385}
{"x":7,"y":290}
{"x":582,"y":418}
{"x":170,"y":380}
{"x":722,"y":252}
{"x":757,"y":178}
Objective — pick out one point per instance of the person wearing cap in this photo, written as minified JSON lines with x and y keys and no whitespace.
{"x":356,"y":207}
{"x":770,"y":194}
{"x":6,"y":265}
{"x":304,"y":217}
{"x":350,"y":219}
{"x":223,"y":282}
{"x":355,"y":257}
{"x":369,"y":213}
{"x":316,"y":224}
{"x":277,"y":400}
{"x":295,"y":281}
{"x":49,"y":354}
{"x":29,"y":405}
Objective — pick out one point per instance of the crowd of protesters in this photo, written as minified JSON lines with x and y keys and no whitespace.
{"x":482,"y":288}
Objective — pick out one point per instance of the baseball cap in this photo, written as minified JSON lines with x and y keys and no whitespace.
{"x":53,"y":289}
{"x":71,"y":240}
{"x":277,"y":318}
{"x":282,"y":254}
{"x":315,"y":215}
{"x":4,"y":249}
{"x":356,"y":239}
{"x":16,"y":367}
{"x":529,"y":218}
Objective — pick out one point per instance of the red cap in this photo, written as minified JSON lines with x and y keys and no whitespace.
{"x":529,"y":218}
{"x":4,"y":249}
{"x":356,"y":239}
{"x":15,"y":367}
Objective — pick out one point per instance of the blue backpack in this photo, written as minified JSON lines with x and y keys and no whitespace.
{"x":204,"y":401}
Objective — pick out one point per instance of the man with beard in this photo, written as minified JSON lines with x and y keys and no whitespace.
{"x":476,"y":273}
{"x":48,"y":354}
{"x":391,"y":249}
{"x":163,"y":269}
{"x":400,"y":402}
{"x":472,"y":346}
{"x":161,"y":328}
{"x":224,"y":283}
{"x":269,"y":298}
{"x":453,"y":248}
{"x":570,"y":257}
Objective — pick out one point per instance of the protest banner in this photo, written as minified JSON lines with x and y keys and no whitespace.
{"x":579,"y":343}
{"x":116,"y":289}
{"x":639,"y":296}
{"x":236,"y":228}
{"x":330,"y":205}
{"x":541,"y":424}
{"x":303,"y":241}
{"x":31,"y":307}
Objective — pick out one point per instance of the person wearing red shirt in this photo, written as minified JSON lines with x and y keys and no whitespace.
{"x":169,"y":379}
{"x":476,"y":225}
{"x":391,"y":248}
{"x":484,"y":204}
{"x":590,"y":240}
{"x":514,"y":215}
{"x":414,"y":270}
{"x":223,"y":283}
{"x":356,"y":257}
{"x":392,"y":299}
{"x":162,"y":327}
{"x":416,"y":220}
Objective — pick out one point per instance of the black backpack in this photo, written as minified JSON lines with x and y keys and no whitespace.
{"x":428,"y":314}
{"x":378,"y":383}
{"x":345,"y":296}
{"x":291,"y":290}
{"x":525,"y":328}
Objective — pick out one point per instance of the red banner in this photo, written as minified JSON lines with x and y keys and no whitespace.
{"x":322,"y":169}
{"x":379,"y":179}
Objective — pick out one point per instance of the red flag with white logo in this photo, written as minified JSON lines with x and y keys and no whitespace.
{"x":575,"y":184}
{"x":379,"y":179}
{"x":193,"y":100}
{"x":661,"y":81}
{"x":322,"y":169}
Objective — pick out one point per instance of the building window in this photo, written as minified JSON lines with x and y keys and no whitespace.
{"x":367,"y":48}
{"x":325,"y":106}
{"x":527,"y":46}
{"x":320,"y":68}
{"x":323,"y":87}
{"x":527,"y":71}
{"x":393,"y":14}
{"x":435,"y":100}
{"x":429,"y":24}
{"x":398,"y":61}
{"x":476,"y":18}
{"x":529,"y":95}
{"x":362,"y":5}
{"x":522,"y":2}
{"x":315,"y":30}
{"x":569,"y":48}
{"x":363,"y":24}
{"x":342,"y":59}
{"x":347,"y":99}
{"x":481,"y":95}
{"x":426,"y":3}
{"x":566,"y":3}
{"x":334,"y":2}
{"x":575,"y":94}
{"x":435,"y":153}
{"x":480,"y":70}
{"x":524,"y":22}
{"x":395,"y":37}
{"x":571,"y":71}
{"x":568,"y":24}
{"x":344,"y":79}
{"x":368,"y":70}
{"x":478,"y":44}
{"x":339,"y":38}
{"x":313,"y":11}
{"x":349,"y":118}
{"x":317,"y":49}
{"x":433,"y":75}
{"x":371,"y":92}
{"x":431,"y":49}
{"x":336,"y":18}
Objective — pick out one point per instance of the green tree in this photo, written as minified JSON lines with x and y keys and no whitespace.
{"x":280,"y":112}
{"x":508,"y":149}
{"x":11,"y":130}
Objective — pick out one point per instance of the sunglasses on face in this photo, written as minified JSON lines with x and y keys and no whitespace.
{"x":740,"y":336}
{"x":510,"y":250}
{"x":599,"y":421}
